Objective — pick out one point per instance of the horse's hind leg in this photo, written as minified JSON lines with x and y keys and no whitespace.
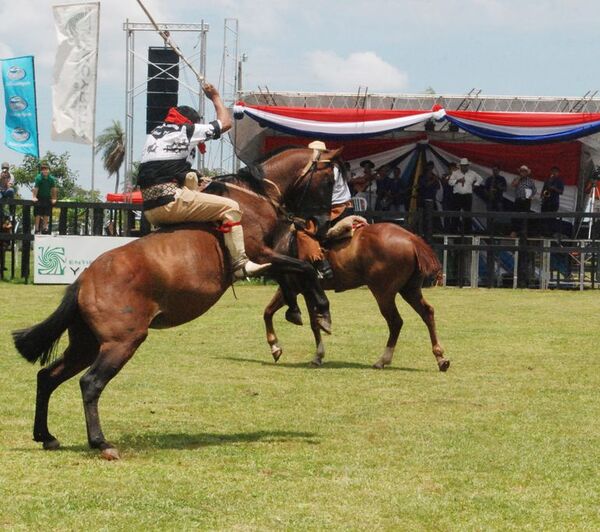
{"x":414,"y":297}
{"x":274,"y":305}
{"x":112,"y":357}
{"x":387,"y":306}
{"x":80,"y":353}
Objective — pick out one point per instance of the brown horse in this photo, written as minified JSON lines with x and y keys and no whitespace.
{"x":389,"y":260}
{"x":165,"y":279}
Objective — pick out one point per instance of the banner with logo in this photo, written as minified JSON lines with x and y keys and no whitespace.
{"x":61,"y":259}
{"x":18,"y":77}
{"x":74,"y":88}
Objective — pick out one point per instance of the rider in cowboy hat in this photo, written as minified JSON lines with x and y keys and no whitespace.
{"x":309,"y":247}
{"x":170,"y":188}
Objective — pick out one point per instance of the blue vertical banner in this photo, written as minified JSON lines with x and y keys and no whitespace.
{"x":18,"y":76}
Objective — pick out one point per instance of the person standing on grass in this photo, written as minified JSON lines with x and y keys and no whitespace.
{"x":45,"y":193}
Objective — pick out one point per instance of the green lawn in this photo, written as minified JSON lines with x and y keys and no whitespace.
{"x":214,"y":435}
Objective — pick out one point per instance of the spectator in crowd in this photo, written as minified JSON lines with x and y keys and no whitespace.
{"x":397,"y":190}
{"x":429,"y":184}
{"x":525,"y":190}
{"x":359,"y":184}
{"x":494,"y":189}
{"x":448,"y":199}
{"x":44,"y":195}
{"x":462,"y":182}
{"x":551,"y":192}
{"x":7,"y":182}
{"x":384,"y":182}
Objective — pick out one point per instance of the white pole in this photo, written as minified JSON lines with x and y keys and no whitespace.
{"x":95,"y":100}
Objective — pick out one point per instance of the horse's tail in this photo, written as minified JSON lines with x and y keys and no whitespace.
{"x":40,"y":341}
{"x":428,"y":264}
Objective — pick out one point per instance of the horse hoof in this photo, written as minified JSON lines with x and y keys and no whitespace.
{"x":378,"y":365}
{"x":110,"y":453}
{"x":51,"y":445}
{"x":277,"y":354}
{"x":294,"y":316}
{"x":444,"y":365}
{"x":316,"y":363}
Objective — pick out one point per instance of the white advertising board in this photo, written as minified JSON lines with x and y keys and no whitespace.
{"x":61,"y":259}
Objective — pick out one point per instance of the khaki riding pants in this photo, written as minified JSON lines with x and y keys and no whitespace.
{"x":190,"y":205}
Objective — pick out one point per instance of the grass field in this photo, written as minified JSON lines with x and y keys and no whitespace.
{"x":214,"y":435}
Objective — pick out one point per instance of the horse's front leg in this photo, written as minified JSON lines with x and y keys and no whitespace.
{"x":275,"y":304}
{"x":317,"y":361}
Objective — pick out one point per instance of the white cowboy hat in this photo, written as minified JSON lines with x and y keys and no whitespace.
{"x":524,"y":169}
{"x":317,"y":145}
{"x":464,"y":161}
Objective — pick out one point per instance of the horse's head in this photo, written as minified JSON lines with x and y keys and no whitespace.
{"x":304,"y":179}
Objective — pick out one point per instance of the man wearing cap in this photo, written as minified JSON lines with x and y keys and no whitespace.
{"x":462,"y":182}
{"x":524,"y":190}
{"x":6,"y":182}
{"x":170,"y":187}
{"x":45,"y":193}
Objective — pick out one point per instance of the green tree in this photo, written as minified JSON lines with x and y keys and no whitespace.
{"x":59,"y":167}
{"x":111,"y":142}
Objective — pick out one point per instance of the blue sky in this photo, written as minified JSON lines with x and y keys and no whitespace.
{"x":503,"y":47}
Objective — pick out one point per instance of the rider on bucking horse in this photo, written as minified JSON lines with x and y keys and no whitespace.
{"x":170,"y":187}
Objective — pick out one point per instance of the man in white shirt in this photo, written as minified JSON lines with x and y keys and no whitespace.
{"x":462,"y":182}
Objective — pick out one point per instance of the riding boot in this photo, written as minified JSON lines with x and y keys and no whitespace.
{"x":241,"y":266}
{"x":323,"y":268}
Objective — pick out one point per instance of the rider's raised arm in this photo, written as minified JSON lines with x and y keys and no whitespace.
{"x":223,"y":115}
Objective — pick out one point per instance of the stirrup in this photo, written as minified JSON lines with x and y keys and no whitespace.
{"x":323,"y":268}
{"x":250,"y":269}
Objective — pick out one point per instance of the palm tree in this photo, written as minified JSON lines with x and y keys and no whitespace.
{"x":111,"y":142}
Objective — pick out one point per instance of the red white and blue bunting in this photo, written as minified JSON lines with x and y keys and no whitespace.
{"x":517,"y":128}
{"x":334,"y":123}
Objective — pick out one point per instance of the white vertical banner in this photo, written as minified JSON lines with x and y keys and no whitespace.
{"x":75,"y":69}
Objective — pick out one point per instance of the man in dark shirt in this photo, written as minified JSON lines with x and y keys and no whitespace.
{"x":429,"y":184}
{"x":494,"y":189}
{"x":551,"y":192}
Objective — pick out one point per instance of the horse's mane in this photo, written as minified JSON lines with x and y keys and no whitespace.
{"x":252,"y":175}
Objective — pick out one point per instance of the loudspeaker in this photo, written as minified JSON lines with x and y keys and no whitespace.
{"x":162,"y":86}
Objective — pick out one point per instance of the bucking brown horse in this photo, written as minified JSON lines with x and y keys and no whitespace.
{"x":168,"y":278}
{"x":390,"y":261}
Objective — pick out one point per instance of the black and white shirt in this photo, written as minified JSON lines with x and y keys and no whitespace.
{"x":170,"y":150}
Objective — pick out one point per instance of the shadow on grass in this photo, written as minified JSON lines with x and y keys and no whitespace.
{"x":328,"y":364}
{"x":192,"y":441}
{"x":178,"y":440}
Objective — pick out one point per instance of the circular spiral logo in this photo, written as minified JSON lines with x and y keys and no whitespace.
{"x":51,"y":260}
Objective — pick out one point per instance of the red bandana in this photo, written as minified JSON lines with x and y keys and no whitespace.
{"x":175,"y":117}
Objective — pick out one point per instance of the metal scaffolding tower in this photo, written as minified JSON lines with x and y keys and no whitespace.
{"x":229,"y":86}
{"x":132,"y":90}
